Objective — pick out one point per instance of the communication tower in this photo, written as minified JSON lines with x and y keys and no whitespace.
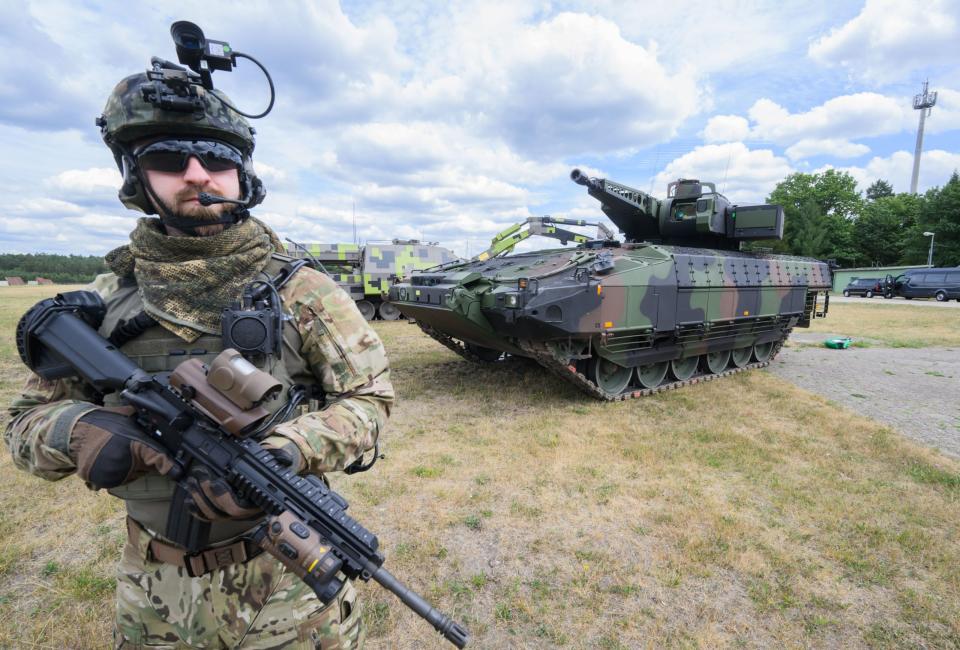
{"x":924,"y":103}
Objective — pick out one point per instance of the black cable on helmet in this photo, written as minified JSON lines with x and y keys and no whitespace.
{"x":273,"y":94}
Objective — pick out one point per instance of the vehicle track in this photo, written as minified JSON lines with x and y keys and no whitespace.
{"x":569,"y":373}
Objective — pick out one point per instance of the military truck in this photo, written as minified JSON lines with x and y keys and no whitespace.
{"x":678,"y":301}
{"x":367,"y":272}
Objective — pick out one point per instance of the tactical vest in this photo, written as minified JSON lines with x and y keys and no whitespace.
{"x":159,"y":350}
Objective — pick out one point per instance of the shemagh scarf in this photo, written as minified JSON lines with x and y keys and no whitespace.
{"x":185,"y":282}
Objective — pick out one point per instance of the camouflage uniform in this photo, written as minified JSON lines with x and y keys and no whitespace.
{"x":255,"y":604}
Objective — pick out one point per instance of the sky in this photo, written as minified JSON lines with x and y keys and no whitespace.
{"x":449,"y":121}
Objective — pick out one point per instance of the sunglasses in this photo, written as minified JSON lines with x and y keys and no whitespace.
{"x":172,"y":156}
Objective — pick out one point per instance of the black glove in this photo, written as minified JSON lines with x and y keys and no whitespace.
{"x":110,"y":449}
{"x":212,"y":498}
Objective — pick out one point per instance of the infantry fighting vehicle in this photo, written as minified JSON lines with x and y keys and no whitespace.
{"x":367,"y":272}
{"x":675,"y":302}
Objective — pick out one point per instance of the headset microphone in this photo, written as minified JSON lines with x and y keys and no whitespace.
{"x":205,"y":198}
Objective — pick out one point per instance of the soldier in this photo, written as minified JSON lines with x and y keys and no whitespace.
{"x":164,"y":297}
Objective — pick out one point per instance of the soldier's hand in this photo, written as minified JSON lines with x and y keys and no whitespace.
{"x":285,"y":451}
{"x":212,"y":498}
{"x":110,"y":449}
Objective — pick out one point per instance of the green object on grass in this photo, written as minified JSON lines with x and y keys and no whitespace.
{"x":838,"y":343}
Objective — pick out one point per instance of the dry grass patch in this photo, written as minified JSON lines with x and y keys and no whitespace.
{"x":898,"y":327}
{"x":743,"y":512}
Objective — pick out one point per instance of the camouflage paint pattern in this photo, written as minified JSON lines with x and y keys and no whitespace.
{"x":128,"y":117}
{"x":366,"y":271}
{"x":257,"y":605}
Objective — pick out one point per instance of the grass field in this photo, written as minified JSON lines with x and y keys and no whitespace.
{"x":895,"y":326}
{"x":736,"y":513}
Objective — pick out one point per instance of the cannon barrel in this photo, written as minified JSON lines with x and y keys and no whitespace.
{"x":580,"y":178}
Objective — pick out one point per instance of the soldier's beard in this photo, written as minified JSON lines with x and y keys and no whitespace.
{"x":193,"y":210}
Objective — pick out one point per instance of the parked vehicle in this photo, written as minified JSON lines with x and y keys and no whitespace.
{"x":866,"y":287}
{"x":940,"y":284}
{"x":367,"y":272}
{"x":613,"y":317}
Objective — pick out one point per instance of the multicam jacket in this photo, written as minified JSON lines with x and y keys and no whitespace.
{"x":326,"y":342}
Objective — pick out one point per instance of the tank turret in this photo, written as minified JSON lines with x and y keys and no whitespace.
{"x":693,"y":214}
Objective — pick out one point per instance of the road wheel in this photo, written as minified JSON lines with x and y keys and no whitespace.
{"x":908,"y":297}
{"x":741,"y":356}
{"x":610,"y":377}
{"x":868,"y":294}
{"x":650,"y":375}
{"x":762,"y":351}
{"x":367,"y":310}
{"x":846,"y":293}
{"x":389,"y":311}
{"x":717,"y":361}
{"x":888,"y":295}
{"x":683,"y":369}
{"x":941,"y":296}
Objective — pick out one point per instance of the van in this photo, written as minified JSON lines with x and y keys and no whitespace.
{"x":941,"y":284}
{"x":866,"y":287}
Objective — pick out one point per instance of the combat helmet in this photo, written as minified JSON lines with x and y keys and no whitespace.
{"x":140,"y":109}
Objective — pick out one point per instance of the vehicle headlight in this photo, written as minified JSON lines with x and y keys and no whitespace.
{"x":402,"y":293}
{"x":511,"y":300}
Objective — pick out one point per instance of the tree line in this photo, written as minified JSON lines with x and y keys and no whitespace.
{"x":62,"y":269}
{"x":827,"y":218}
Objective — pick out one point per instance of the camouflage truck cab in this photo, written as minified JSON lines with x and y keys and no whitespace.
{"x":367,"y":272}
{"x":677,"y":302}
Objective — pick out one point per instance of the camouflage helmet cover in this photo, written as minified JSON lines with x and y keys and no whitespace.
{"x":129,"y":117}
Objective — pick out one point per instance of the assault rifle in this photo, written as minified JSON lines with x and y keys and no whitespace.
{"x":205,"y":416}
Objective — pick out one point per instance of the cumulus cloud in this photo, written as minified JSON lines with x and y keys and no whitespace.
{"x":45,"y":208}
{"x":830,"y":128}
{"x":726,"y":128}
{"x":740,"y":173}
{"x":889,"y":39}
{"x":34,"y":225}
{"x":569,"y":85}
{"x":34,"y":93}
{"x":848,"y":116}
{"x":94,"y":180}
{"x":945,"y":116}
{"x":837,"y":147}
{"x":269,"y":174}
{"x":936,"y":166}
{"x":719,"y":35}
{"x":420,"y":153}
